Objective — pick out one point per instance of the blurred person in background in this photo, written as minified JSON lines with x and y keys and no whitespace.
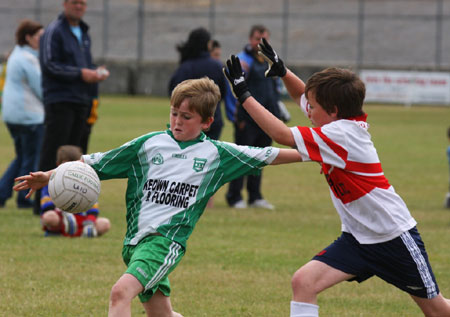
{"x":22,"y":108}
{"x":68,"y":77}
{"x":56,"y":222}
{"x":91,"y":120}
{"x":246,"y":131}
{"x":215,"y":50}
{"x":196,"y":62}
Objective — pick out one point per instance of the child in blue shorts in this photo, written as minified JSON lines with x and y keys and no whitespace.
{"x":379,"y":235}
{"x":171,"y":176}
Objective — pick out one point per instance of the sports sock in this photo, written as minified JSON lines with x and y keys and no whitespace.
{"x":299,"y":309}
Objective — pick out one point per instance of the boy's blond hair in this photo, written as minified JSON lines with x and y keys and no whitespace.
{"x":68,"y":153}
{"x":203,"y":95}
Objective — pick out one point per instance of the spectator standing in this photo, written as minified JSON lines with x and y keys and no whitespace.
{"x":91,"y":120}
{"x":215,"y":50}
{"x":22,"y":108}
{"x":68,"y":77}
{"x":246,"y":131}
{"x":196,"y":62}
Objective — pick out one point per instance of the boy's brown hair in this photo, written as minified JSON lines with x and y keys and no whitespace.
{"x":203,"y":95}
{"x":68,"y":153}
{"x":340,"y":88}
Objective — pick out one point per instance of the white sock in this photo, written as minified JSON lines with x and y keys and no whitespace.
{"x":299,"y":309}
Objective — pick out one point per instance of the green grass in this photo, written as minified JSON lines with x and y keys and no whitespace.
{"x":238,"y":263}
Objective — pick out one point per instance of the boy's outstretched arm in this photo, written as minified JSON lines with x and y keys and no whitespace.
{"x":287,"y":156}
{"x":294,"y":85}
{"x":274,"y":127}
{"x":33,"y":181}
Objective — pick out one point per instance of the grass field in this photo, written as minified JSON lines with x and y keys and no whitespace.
{"x":238,"y":263}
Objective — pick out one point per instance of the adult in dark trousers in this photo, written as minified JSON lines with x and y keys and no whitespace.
{"x":91,"y":119}
{"x":196,"y":62}
{"x":23,"y":111}
{"x":246,"y":131}
{"x":67,"y":78}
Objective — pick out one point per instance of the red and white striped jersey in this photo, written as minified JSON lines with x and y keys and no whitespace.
{"x":367,"y":204}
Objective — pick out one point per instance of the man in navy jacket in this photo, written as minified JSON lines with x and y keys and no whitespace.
{"x":246,"y":131}
{"x":68,"y":77}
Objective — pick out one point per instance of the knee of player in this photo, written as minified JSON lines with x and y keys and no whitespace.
{"x":102,"y":225}
{"x":50,"y":219}
{"x":300,"y":281}
{"x":118,"y":294}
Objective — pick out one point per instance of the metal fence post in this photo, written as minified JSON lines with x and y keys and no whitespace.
{"x":360,"y":41}
{"x":438,"y":46}
{"x":140,"y":31}
{"x":38,"y":10}
{"x":212,"y":17}
{"x":285,"y":22}
{"x":105,"y":35}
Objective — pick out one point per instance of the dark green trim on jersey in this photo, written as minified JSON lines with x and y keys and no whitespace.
{"x":185,"y":144}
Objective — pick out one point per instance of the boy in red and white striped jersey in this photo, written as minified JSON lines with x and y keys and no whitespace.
{"x":379,"y":235}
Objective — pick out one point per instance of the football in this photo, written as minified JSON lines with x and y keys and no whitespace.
{"x":74,"y":187}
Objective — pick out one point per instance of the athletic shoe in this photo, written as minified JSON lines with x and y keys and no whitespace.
{"x":240,"y":204}
{"x":262,"y":203}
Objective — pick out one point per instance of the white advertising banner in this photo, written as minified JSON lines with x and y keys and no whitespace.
{"x":407,"y":87}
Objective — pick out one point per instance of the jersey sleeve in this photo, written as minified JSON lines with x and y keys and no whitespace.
{"x":116,"y":163}
{"x":322,"y":144}
{"x":239,"y":160}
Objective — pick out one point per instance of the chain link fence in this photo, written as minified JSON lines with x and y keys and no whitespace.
{"x":381,"y":34}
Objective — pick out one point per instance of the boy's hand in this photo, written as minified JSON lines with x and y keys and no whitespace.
{"x":276,"y":65}
{"x":233,"y":73}
{"x":34,"y":181}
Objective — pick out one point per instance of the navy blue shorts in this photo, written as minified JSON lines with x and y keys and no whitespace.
{"x":402,"y":262}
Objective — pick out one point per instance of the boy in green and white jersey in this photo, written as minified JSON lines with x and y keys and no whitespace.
{"x":171,"y":176}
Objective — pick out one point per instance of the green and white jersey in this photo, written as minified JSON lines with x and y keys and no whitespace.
{"x":170,"y":182}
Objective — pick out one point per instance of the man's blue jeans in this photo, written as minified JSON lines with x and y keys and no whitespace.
{"x":27,"y":143}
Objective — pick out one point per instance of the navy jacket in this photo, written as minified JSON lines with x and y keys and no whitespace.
{"x":197,"y":68}
{"x":61,"y":58}
{"x":263,"y":89}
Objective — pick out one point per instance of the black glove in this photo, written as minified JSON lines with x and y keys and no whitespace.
{"x":276,"y":65}
{"x":233,"y":73}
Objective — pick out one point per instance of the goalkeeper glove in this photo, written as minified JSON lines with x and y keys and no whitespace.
{"x":89,"y":230}
{"x":233,"y":73}
{"x":276,"y":65}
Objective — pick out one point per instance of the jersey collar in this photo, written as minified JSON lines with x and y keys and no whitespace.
{"x":185,"y":144}
{"x":359,"y":118}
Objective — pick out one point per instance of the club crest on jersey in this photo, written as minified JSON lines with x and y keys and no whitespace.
{"x":157,"y":159}
{"x":199,"y":164}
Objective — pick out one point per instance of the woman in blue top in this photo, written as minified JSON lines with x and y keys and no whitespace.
{"x":22,"y":108}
